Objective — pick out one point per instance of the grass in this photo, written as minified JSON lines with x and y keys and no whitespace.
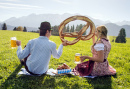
{"x":119,"y":58}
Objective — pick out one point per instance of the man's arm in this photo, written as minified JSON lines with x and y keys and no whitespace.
{"x":22,"y":53}
{"x":57,"y":53}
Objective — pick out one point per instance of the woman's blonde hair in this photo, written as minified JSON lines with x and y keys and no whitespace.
{"x":102,"y":31}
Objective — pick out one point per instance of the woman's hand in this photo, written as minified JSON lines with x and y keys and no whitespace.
{"x":82,"y":58}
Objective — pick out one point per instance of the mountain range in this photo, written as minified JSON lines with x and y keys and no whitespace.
{"x":32,"y":22}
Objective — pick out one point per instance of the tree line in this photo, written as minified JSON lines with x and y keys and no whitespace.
{"x":67,"y":29}
{"x":121,"y":38}
{"x":19,"y":28}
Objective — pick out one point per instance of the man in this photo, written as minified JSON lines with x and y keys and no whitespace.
{"x":39,"y":51}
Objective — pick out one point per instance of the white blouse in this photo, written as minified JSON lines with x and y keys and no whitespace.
{"x":99,"y":47}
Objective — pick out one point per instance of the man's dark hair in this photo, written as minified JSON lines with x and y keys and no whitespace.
{"x":43,"y":32}
{"x":44,"y":27}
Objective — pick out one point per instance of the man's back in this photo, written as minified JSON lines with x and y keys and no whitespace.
{"x":36,"y":55}
{"x":40,"y":53}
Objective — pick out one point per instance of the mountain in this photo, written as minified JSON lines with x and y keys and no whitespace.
{"x":32,"y":22}
{"x":123,"y":23}
{"x":113,"y":29}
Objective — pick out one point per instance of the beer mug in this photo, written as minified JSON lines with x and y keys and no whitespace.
{"x":13,"y":42}
{"x":77,"y":57}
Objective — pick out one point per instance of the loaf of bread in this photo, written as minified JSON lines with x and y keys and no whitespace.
{"x":64,"y":66}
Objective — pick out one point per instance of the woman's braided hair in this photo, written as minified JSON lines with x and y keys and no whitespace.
{"x":102,"y":31}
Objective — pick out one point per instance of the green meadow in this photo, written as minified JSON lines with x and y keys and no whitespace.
{"x":119,"y":58}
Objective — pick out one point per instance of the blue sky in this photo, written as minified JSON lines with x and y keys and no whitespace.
{"x":112,"y":10}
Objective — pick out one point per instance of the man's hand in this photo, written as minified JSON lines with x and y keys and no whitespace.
{"x":18,"y":43}
{"x":64,"y":43}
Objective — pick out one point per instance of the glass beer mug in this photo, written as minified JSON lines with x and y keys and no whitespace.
{"x":13,"y":42}
{"x":77,"y":57}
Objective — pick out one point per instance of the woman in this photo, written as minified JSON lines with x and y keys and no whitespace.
{"x":98,"y":64}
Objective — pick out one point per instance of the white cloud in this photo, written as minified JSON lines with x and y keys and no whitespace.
{"x":62,"y":1}
{"x":5,"y":7}
{"x":8,"y":7}
{"x":12,"y":0}
{"x":18,"y":6}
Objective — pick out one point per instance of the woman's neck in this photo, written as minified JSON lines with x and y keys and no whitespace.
{"x":103,"y":37}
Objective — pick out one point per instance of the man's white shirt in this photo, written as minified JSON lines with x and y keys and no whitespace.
{"x":40,"y":50}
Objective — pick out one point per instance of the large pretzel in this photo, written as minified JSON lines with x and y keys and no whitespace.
{"x":78,"y":35}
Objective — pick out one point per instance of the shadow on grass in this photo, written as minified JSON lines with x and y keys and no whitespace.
{"x":67,"y":81}
{"x":15,"y":81}
{"x":103,"y":82}
{"x":9,"y":81}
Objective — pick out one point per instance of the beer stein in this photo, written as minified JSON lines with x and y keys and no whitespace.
{"x":13,"y":42}
{"x":77,"y":57}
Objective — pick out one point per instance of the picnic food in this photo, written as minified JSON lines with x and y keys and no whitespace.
{"x":64,"y":66}
{"x":78,"y":35}
{"x":63,"y":69}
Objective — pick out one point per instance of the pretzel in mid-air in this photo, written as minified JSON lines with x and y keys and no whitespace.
{"x":78,"y":35}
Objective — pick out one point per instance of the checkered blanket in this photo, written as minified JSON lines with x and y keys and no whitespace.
{"x":50,"y":71}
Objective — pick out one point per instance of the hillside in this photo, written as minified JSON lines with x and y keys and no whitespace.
{"x":10,"y":66}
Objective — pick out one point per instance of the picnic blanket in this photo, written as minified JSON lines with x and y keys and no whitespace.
{"x":51,"y":72}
